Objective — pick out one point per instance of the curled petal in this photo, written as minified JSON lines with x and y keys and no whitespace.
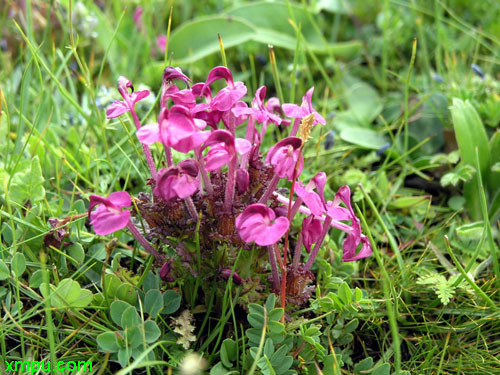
{"x":139,"y":95}
{"x":219,"y":72}
{"x":311,"y":231}
{"x":123,"y":85}
{"x":217,"y":157}
{"x":149,"y":134}
{"x":117,"y":108}
{"x":243,"y":146}
{"x":189,"y":167}
{"x":312,"y":200}
{"x":105,"y":222}
{"x":256,"y":224}
{"x":170,"y":73}
{"x":120,"y":199}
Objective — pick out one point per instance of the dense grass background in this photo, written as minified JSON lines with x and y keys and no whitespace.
{"x":387,"y":101}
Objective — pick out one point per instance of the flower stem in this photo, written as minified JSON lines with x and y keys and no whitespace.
{"x":204,"y":174}
{"x":270,"y":189}
{"x":295,"y":127}
{"x":317,"y":246}
{"x":297,"y":253}
{"x":191,"y":208}
{"x":147,"y":151}
{"x":145,"y":244}
{"x":274,"y":268}
{"x":228,"y":199}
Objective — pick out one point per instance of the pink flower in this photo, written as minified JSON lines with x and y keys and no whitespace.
{"x":284,"y":156}
{"x":228,"y":96}
{"x":294,"y":111}
{"x":311,"y":231}
{"x":161,"y":42}
{"x":354,"y":236}
{"x":109,"y":217}
{"x":255,"y":224}
{"x":178,"y":182}
{"x":314,"y":201}
{"x":178,"y":129}
{"x":138,"y":18}
{"x":119,"y":107}
{"x":225,"y":148}
{"x":259,"y":111}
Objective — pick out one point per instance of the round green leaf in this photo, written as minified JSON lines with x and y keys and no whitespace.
{"x":4,"y":271}
{"x":18,"y":264}
{"x":151,"y":331}
{"x":116,"y":311}
{"x":107,"y":342}
{"x":171,"y":302}
{"x":153,"y":302}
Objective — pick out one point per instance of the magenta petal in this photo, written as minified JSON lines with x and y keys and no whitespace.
{"x":120,"y":199}
{"x":185,"y":186}
{"x":149,"y":134}
{"x":106,"y":222}
{"x":366,"y":251}
{"x":293,"y":110}
{"x":217,"y":157}
{"x":139,"y":95}
{"x":273,"y":232}
{"x":219,"y":72}
{"x":242,"y":180}
{"x":243,"y":146}
{"x":116,"y":109}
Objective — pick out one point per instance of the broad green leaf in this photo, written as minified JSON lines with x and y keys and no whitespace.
{"x":112,"y":283}
{"x":171,"y":302}
{"x":126,"y":292}
{"x":18,"y":264}
{"x":76,"y":252}
{"x":228,"y":352}
{"x":406,"y":202}
{"x":362,"y":137}
{"x":107,"y":342}
{"x":28,"y":184}
{"x":4,"y":271}
{"x":345,"y":294}
{"x":383,"y":369}
{"x":263,"y":22}
{"x":472,"y":231}
{"x":151,"y":331}
{"x":116,"y":311}
{"x":130,"y":317}
{"x":36,"y":279}
{"x":153,"y":302}
{"x":67,"y":294}
{"x":470,"y":134}
{"x":363,"y":101}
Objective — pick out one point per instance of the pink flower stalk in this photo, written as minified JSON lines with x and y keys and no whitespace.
{"x":225,"y":152}
{"x":109,"y":216}
{"x":228,"y":96}
{"x":118,"y":108}
{"x":299,"y":112}
{"x":255,"y":224}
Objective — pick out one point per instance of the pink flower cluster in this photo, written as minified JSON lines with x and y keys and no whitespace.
{"x":224,"y":179}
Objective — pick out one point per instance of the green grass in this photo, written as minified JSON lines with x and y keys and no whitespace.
{"x":430,"y":293}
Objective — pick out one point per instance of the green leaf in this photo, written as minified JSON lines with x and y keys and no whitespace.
{"x":351,"y":326}
{"x":228,"y":352}
{"x":123,"y":356}
{"x":366,"y":138}
{"x":384,"y":369}
{"x":472,"y":231}
{"x":171,"y":302}
{"x":28,"y":184}
{"x":263,"y":22}
{"x":270,"y":302}
{"x":112,"y":283}
{"x":345,"y":294}
{"x":470,"y":134}
{"x":4,"y":271}
{"x":76,"y":252}
{"x":130,"y":317}
{"x":364,"y":365}
{"x":126,"y":292}
{"x":36,"y":279}
{"x":151,"y":331}
{"x":18,"y":264}
{"x":67,"y":294}
{"x":116,"y":311}
{"x":256,"y":320}
{"x":153,"y":302}
{"x":107,"y":342}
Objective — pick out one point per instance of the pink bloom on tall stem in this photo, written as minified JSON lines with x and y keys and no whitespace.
{"x":109,"y":216}
{"x":255,"y":224}
{"x":138,"y":18}
{"x":284,"y":156}
{"x":225,"y":148}
{"x":119,"y":107}
{"x":299,"y":112}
